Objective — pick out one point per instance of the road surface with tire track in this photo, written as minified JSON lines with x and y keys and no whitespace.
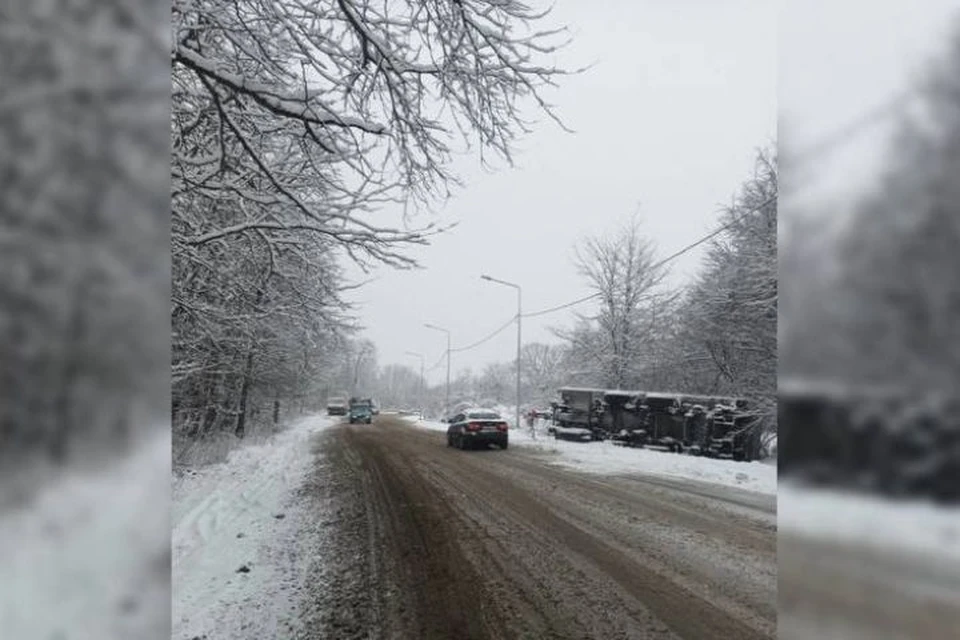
{"x":433,"y":542}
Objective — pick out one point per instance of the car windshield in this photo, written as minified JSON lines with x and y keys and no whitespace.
{"x":483,"y":415}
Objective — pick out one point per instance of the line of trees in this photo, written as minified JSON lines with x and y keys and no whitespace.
{"x":716,"y":336}
{"x":84,"y":342}
{"x":885,"y":283}
{"x":871,"y":308}
{"x":295,"y":127}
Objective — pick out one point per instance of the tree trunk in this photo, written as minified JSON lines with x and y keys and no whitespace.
{"x":63,"y":406}
{"x":276,"y":411}
{"x":240,"y":429}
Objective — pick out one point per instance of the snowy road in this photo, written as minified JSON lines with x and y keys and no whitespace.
{"x":432,"y":542}
{"x":841,"y":591}
{"x":853,"y":567}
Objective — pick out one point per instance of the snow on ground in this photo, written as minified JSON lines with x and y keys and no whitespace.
{"x":916,"y":527}
{"x":89,"y":558}
{"x":608,"y":458}
{"x":237,"y":563}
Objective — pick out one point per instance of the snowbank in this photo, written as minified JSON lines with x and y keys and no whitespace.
{"x":607,"y":458}
{"x":916,"y":527}
{"x":90,"y":557}
{"x":237,"y":569}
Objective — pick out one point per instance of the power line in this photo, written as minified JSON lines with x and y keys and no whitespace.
{"x":668,"y":259}
{"x":489,"y":337}
{"x":656,"y":265}
{"x":715,"y":232}
{"x":847,"y":132}
{"x":839,"y":137}
{"x":439,"y":362}
{"x":562,"y":306}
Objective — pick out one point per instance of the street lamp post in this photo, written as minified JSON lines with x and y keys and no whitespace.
{"x":533,"y":432}
{"x":420,"y":388}
{"x":356,"y":369}
{"x":446,"y":409}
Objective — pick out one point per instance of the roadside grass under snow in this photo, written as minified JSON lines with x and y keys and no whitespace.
{"x":239,"y":559}
{"x":88,"y":557}
{"x":608,"y":458}
{"x":915,"y":527}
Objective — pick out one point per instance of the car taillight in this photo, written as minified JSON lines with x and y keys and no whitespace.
{"x":502,"y":426}
{"x":473,"y":426}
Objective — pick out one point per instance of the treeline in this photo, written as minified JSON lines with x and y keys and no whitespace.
{"x":292,"y":132}
{"x":871,"y":308}
{"x":83,"y":231}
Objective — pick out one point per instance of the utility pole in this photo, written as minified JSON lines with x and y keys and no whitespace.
{"x":446,"y":409}
{"x":420,"y":386}
{"x":533,"y":432}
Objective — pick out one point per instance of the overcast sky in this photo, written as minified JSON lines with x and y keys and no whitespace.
{"x":681,"y":96}
{"x":841,"y":60}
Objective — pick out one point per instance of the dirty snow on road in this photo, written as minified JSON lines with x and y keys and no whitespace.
{"x":89,"y":557}
{"x":239,"y":558}
{"x":608,"y":458}
{"x":864,"y":567}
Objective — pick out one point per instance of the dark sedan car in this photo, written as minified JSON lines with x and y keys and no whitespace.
{"x":475,"y":428}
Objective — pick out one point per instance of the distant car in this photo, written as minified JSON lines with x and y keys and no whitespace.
{"x":374,"y":408}
{"x":361,"y":410}
{"x":477,"y":428}
{"x":337,"y":406}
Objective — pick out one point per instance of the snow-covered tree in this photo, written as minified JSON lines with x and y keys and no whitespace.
{"x":899,"y":256}
{"x":621,"y":267}
{"x":294,"y":119}
{"x":730,"y":313}
{"x":83,"y":231}
{"x":542,"y":371}
{"x":398,"y":386}
{"x":294,"y":127}
{"x":497,"y":382}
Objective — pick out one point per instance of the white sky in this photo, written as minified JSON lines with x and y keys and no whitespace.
{"x":681,"y":96}
{"x":840,"y":60}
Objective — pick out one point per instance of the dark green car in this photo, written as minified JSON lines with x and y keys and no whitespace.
{"x":361,"y":411}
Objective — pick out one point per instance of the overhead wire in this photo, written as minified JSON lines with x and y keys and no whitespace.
{"x":486,"y":339}
{"x":845,"y":133}
{"x":839,"y":137}
{"x":668,"y":259}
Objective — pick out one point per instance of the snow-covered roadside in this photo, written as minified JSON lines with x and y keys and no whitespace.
{"x":607,"y":458}
{"x":915,"y":527}
{"x":90,"y":557}
{"x":237,"y":555}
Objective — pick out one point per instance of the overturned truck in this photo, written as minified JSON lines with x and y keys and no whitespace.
{"x":716,"y":426}
{"x":886,"y":440}
{"x":578,"y":415}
